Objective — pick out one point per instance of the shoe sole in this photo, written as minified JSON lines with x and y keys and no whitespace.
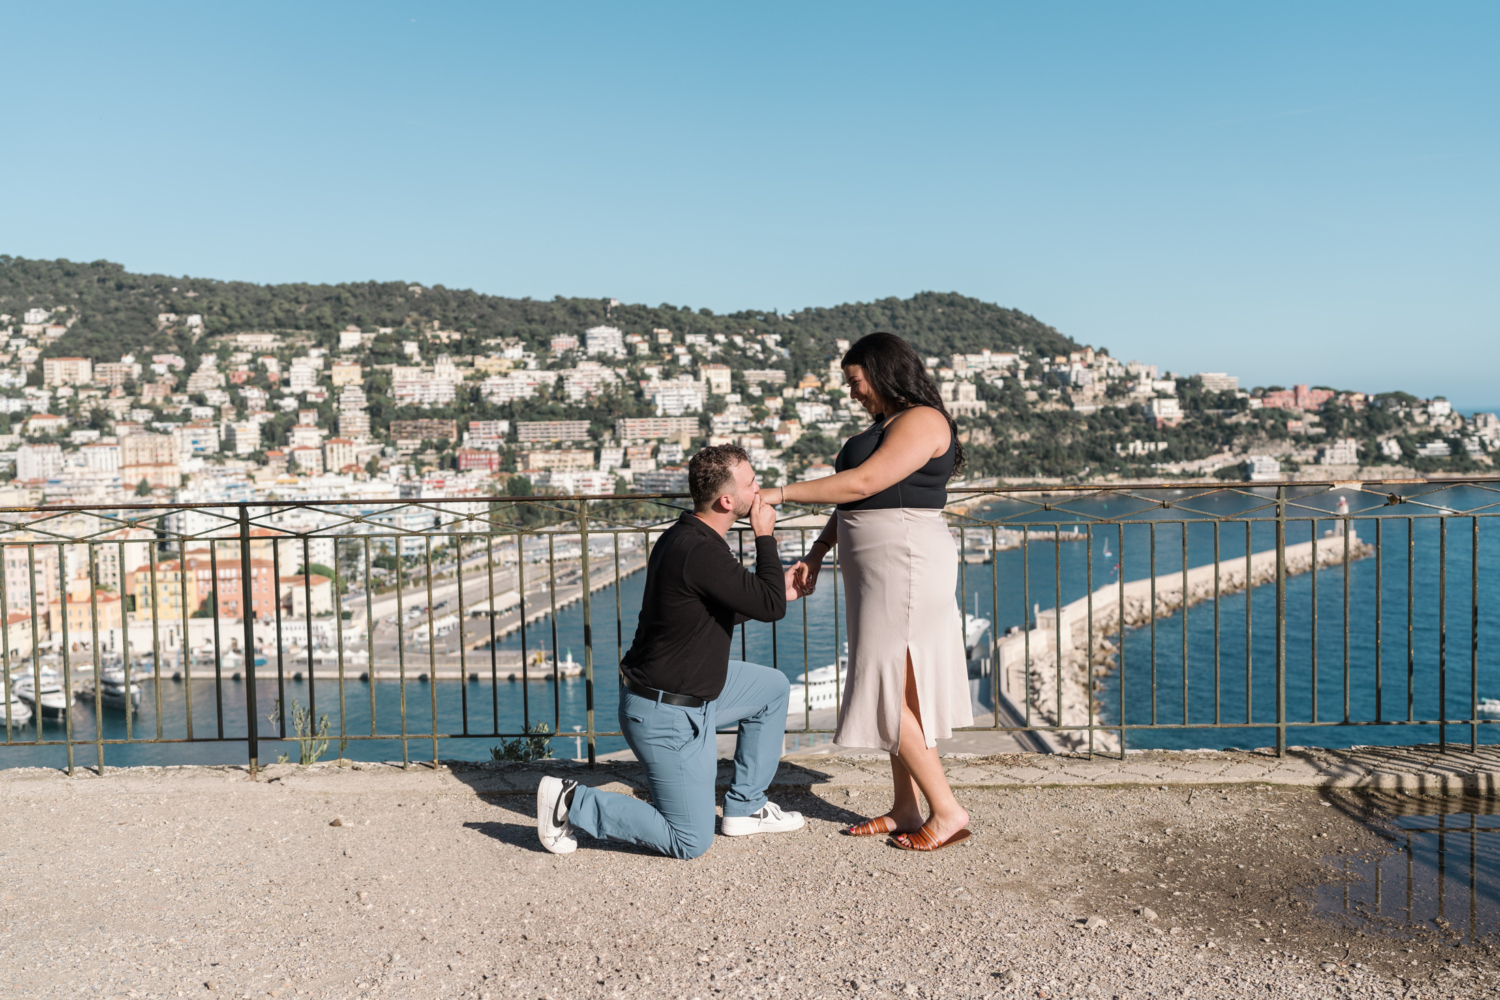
{"x":750,"y":833}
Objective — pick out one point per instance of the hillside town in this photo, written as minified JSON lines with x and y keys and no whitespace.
{"x":288,"y":416}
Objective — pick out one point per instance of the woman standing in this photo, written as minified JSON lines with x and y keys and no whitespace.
{"x":908,"y":684}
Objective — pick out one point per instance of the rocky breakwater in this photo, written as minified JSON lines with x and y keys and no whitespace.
{"x":1065,"y":693}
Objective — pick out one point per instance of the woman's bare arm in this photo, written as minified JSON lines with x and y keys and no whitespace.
{"x":915,"y":437}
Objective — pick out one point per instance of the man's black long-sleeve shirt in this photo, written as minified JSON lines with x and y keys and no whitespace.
{"x":696,"y":593}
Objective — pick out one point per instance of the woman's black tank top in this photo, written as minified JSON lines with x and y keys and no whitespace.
{"x":927,"y":487}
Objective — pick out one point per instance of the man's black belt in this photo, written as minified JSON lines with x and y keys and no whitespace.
{"x":681,"y":700}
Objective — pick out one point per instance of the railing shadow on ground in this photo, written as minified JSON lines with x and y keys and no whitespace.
{"x":1096,"y":617}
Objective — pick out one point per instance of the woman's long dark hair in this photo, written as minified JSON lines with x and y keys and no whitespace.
{"x":897,"y":373}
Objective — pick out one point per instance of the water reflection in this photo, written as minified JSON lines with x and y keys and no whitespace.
{"x":1440,"y":881}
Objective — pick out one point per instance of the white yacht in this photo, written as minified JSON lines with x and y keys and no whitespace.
{"x":1489,"y":707}
{"x":820,"y":689}
{"x":20,"y":712}
{"x":52,"y":700}
{"x":112,"y":691}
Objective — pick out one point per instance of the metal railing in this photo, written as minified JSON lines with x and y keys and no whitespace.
{"x":1132,"y":615}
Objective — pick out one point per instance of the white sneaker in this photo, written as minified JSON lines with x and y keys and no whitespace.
{"x":768,"y":819}
{"x":552,"y":824}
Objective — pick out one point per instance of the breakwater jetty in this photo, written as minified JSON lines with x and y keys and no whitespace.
{"x":1028,"y":660}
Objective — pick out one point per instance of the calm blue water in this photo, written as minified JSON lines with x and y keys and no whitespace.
{"x":1379,"y":692}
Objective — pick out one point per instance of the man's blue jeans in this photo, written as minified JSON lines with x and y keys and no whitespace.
{"x":680,"y":755}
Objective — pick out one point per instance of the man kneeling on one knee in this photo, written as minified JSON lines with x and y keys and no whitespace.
{"x":678,"y":684}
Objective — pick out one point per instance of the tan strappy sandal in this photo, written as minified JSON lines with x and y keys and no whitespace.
{"x":924,"y":841}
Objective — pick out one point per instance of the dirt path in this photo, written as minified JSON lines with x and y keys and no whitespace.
{"x":201,"y":883}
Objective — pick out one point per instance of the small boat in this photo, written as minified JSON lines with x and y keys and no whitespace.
{"x":20,"y":712}
{"x":112,"y":690}
{"x":52,"y":700}
{"x":1489,"y":707}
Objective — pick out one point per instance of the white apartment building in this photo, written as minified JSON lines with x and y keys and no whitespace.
{"x":1342,"y":451}
{"x":509,"y":387}
{"x":101,"y":456}
{"x":673,"y":399}
{"x":1263,"y":468}
{"x":587,"y":380}
{"x":1219,"y":382}
{"x":563,"y":343}
{"x":486,"y":435}
{"x":38,"y":461}
{"x":242,"y":437}
{"x":303,"y":377}
{"x":607,"y":340}
{"x":717,"y":378}
{"x":67,"y":371}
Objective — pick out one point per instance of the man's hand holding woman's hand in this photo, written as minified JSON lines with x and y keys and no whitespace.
{"x":807,"y":574}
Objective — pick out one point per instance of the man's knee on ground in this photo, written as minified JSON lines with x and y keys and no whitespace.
{"x":689,"y":844}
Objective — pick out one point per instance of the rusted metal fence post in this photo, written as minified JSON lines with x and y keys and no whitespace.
{"x":247,"y":610}
{"x":1280,"y":621}
{"x":588,"y":623}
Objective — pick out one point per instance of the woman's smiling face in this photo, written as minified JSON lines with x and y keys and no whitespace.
{"x":860,"y":391}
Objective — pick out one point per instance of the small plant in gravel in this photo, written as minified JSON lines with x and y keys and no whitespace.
{"x":526,"y":748}
{"x":311,"y":744}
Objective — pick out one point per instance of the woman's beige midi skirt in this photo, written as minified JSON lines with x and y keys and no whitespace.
{"x":900,"y":571}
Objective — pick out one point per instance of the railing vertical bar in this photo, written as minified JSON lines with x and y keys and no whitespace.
{"x":36,"y":637}
{"x":1088,"y":657}
{"x":838,"y":662}
{"x":1217,"y":683}
{"x":213,"y":568}
{"x":154,"y":589}
{"x":1151,"y":616}
{"x":247,"y":612}
{"x":740,"y":538}
{"x":463,"y":626}
{"x":1186,"y":596}
{"x":619,"y":616}
{"x":1313,"y":630}
{"x":432,"y":674}
{"x":124,"y":642}
{"x":588,"y":627}
{"x":1057,"y":658}
{"x":396,"y":543}
{"x":1280,"y":621}
{"x":187,"y":656}
{"x":280,"y":636}
{"x":1344,"y":526}
{"x":1249,"y":634}
{"x":369,"y":637}
{"x":67,"y":658}
{"x":994,"y":619}
{"x":494,"y":654}
{"x":525,"y":655}
{"x":1411,"y":663}
{"x":5,"y":635}
{"x":1379,"y":619}
{"x":338,"y":631}
{"x":1120,"y":604}
{"x":307,"y":618}
{"x":806,"y":688}
{"x":552,"y":598}
{"x":1442,"y":713}
{"x":1026,"y":621}
{"x":1474,"y":636}
{"x":93,"y":556}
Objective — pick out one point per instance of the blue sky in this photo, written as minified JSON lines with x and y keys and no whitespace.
{"x":1289,"y":192}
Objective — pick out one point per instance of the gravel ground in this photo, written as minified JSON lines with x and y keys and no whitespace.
{"x":199,"y":882}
